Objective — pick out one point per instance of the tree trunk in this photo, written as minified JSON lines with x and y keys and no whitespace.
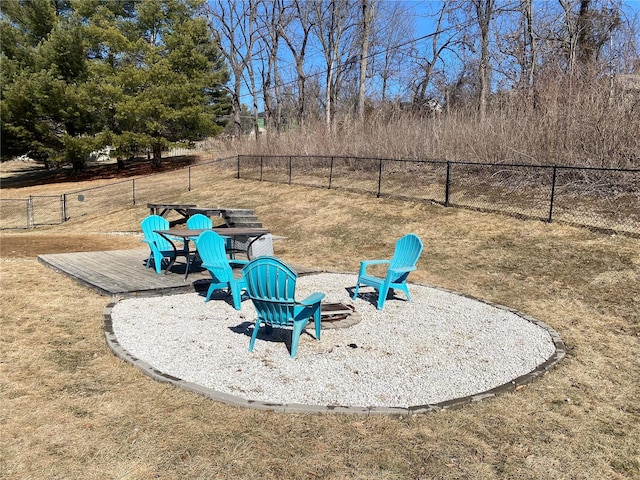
{"x":367,"y":17}
{"x":301,"y":93}
{"x":237,"y":110}
{"x":328,"y":96}
{"x":530,"y":54}
{"x":484,"y":12}
{"x":156,"y":162}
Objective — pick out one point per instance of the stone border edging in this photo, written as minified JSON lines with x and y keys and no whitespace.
{"x":527,"y":378}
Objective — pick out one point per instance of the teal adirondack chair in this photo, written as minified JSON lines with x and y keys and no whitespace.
{"x":199,"y":221}
{"x":271,"y":286}
{"x":160,"y":247}
{"x":211,"y":248}
{"x":405,"y":257}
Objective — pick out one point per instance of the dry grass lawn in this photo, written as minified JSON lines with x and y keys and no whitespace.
{"x":72,"y":409}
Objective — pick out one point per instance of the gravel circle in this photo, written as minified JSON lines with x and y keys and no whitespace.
{"x":439,"y":347}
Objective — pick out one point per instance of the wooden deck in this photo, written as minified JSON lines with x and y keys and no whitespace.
{"x":123,"y":272}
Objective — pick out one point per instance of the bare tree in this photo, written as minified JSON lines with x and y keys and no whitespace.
{"x":393,"y":35}
{"x":440,"y":40}
{"x":271,"y":21}
{"x":484,"y":11}
{"x":579,"y":33}
{"x":368,"y":8}
{"x":295,"y":30}
{"x":474,"y":19}
{"x":233,"y":27}
{"x":516,"y":54}
{"x":333,"y":20}
{"x":530,"y":49}
{"x":476,"y":47}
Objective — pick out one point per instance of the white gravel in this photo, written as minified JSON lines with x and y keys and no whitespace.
{"x":439,"y":347}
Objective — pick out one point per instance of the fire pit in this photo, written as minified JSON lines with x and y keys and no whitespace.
{"x":338,"y":315}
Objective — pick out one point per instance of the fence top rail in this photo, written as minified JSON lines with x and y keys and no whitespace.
{"x":102,"y":186}
{"x":211,"y":162}
{"x":603,"y":169}
{"x":348,"y":157}
{"x":217,"y":160}
{"x":563,"y":167}
{"x":454,"y":162}
{"x":140,"y":177}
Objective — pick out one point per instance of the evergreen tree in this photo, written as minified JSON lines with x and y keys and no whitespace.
{"x":171,"y":83}
{"x":79,"y":75}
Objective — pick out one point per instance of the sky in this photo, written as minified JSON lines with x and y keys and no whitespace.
{"x":421,"y":12}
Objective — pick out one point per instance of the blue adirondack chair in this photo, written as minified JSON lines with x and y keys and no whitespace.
{"x":199,"y":221}
{"x":211,"y":248}
{"x":271,"y":286}
{"x":405,"y":257}
{"x":160,"y":247}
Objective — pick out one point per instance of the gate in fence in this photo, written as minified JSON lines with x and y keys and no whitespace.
{"x":37,"y":210}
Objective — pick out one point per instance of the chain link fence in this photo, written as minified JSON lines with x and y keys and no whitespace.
{"x":15,"y":213}
{"x":34,"y":211}
{"x":40,"y":210}
{"x":601,"y":198}
{"x":607,"y":199}
{"x":157,"y":188}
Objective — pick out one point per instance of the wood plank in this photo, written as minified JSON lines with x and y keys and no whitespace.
{"x":123,"y":272}
{"x":119,"y":271}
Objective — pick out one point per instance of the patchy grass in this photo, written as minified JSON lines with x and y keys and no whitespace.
{"x":71,"y":409}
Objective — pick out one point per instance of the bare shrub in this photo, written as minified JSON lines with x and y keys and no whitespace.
{"x":577,"y":124}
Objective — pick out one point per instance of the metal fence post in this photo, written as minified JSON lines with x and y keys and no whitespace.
{"x":290,"y":161}
{"x":63,"y":206}
{"x":133,"y":187}
{"x":553,"y":194}
{"x":238,"y":173}
{"x":30,"y":220}
{"x":447,"y":185}
{"x":330,"y":173}
{"x":189,"y":174}
{"x":261,"y":166}
{"x":379,"y":177}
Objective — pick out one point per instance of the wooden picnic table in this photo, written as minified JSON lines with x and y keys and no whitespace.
{"x":162,"y":208}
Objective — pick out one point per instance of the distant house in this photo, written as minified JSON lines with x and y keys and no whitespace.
{"x":102,"y":155}
{"x":428,"y":106}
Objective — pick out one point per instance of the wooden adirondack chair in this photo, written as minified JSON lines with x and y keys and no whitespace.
{"x":211,"y":248}
{"x":271,"y":286}
{"x":405,"y":257}
{"x":160,"y":247}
